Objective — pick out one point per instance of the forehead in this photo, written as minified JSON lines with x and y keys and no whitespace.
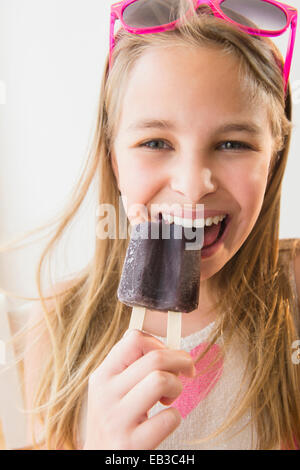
{"x":189,"y":84}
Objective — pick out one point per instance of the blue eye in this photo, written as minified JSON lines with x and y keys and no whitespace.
{"x":150,"y":145}
{"x":235,"y":145}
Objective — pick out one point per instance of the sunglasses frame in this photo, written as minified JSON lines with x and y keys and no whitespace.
{"x":291,"y":13}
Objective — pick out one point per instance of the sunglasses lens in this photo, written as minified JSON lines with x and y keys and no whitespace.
{"x":255,"y":14}
{"x":151,"y":13}
{"x":252,"y":13}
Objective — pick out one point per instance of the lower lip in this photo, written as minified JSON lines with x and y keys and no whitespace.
{"x":211,"y":250}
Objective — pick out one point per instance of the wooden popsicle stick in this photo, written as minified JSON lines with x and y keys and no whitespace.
{"x":174,"y":330}
{"x":137,"y":318}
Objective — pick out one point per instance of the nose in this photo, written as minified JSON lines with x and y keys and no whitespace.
{"x":193,"y":178}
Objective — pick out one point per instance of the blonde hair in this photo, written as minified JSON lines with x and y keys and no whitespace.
{"x":254,"y":294}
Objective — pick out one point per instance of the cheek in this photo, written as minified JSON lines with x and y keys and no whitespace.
{"x":248,"y":186}
{"x":139,"y":181}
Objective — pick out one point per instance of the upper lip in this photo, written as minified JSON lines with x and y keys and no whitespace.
{"x":193,"y":214}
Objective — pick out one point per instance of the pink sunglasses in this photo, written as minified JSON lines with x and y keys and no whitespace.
{"x":153,"y":16}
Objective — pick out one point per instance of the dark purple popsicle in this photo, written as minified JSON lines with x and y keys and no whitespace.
{"x":161,"y":274}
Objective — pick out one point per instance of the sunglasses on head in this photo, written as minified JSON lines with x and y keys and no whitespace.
{"x":267,"y":18}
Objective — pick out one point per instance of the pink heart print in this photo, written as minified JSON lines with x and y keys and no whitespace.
{"x":195,"y":390}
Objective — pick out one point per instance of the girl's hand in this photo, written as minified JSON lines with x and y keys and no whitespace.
{"x":137,"y":373}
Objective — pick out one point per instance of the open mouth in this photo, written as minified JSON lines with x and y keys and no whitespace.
{"x":213,"y":233}
{"x":212,"y":247}
{"x":214,"y":227}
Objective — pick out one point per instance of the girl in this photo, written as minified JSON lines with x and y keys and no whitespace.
{"x":198,"y":112}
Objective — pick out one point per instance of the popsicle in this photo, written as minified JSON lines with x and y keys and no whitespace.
{"x":161,"y":272}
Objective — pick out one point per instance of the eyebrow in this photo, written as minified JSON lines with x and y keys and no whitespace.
{"x":248,"y":127}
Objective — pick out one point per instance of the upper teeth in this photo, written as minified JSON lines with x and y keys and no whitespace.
{"x":197,"y":223}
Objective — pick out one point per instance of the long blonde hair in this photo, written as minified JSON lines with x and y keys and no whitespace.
{"x":253,"y":290}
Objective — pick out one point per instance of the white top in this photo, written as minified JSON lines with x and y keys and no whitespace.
{"x":210,"y":412}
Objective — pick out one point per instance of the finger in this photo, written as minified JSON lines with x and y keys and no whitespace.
{"x":131,"y":347}
{"x":176,"y":362}
{"x":153,"y":431}
{"x":148,"y":392}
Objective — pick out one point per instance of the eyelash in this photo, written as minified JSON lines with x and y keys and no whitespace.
{"x":242,"y":145}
